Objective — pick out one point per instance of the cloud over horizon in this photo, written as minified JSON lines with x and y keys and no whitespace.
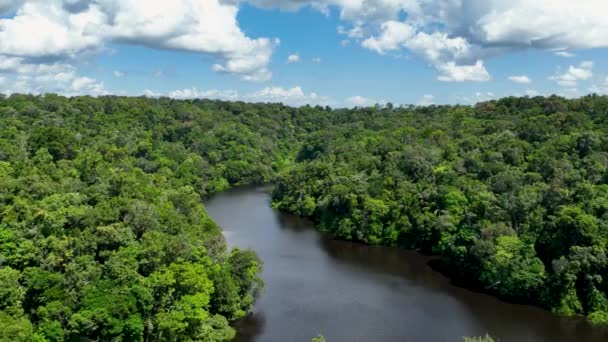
{"x":67,"y":31}
{"x":45,"y":43}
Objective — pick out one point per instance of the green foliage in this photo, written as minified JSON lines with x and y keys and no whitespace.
{"x":510,"y":193}
{"x":102,"y":232}
{"x":103,"y":235}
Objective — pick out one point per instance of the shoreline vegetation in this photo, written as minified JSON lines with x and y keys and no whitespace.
{"x":510,"y":194}
{"x":103,"y":234}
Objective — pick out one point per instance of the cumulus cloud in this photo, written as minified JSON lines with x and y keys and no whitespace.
{"x":194,"y":93}
{"x":293,"y":58}
{"x":290,"y":5}
{"x":316,"y":60}
{"x":523,"y":79}
{"x":426,"y":100}
{"x":68,"y":29}
{"x":574,"y":74}
{"x":451,"y":72}
{"x":476,"y":97}
{"x":360,"y":101}
{"x":452,"y":57}
{"x":118,"y":74}
{"x":565,"y":54}
{"x":601,"y":87}
{"x":46,"y":29}
{"x":355,"y":32}
{"x":394,"y":36}
{"x":295,"y":96}
{"x":455,"y":35}
{"x":150,"y":93}
{"x":36,"y":78}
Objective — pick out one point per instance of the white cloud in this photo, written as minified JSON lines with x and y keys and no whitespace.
{"x":426,"y":100}
{"x":565,"y":54}
{"x":455,"y":34}
{"x":118,"y":74}
{"x":271,"y":93}
{"x":476,"y":97}
{"x":290,"y":5}
{"x":68,"y":29}
{"x":194,"y":93}
{"x":355,"y":32}
{"x":293,"y":58}
{"x":462,"y":32}
{"x":360,"y":101}
{"x":452,"y":57}
{"x":394,"y":36}
{"x":574,"y":74}
{"x":86,"y":85}
{"x":316,"y":60}
{"x":46,"y":29}
{"x":601,"y":87}
{"x":294,"y":96}
{"x":150,"y":93}
{"x":450,"y":72}
{"x":545,"y":24}
{"x":23,"y":77}
{"x":533,"y":93}
{"x":374,"y":10}
{"x":520,"y":79}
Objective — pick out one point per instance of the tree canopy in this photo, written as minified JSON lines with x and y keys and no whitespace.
{"x":103,"y":234}
{"x":512,"y":194}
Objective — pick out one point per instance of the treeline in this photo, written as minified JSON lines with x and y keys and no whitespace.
{"x":512,"y":194}
{"x":102,"y":232}
{"x":103,"y":235}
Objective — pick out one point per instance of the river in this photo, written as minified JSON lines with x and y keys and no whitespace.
{"x":352,"y":292}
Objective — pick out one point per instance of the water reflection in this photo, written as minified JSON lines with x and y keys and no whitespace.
{"x":251,"y":326}
{"x":353,"y":292}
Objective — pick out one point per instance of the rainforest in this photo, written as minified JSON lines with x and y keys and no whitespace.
{"x":103,"y":234}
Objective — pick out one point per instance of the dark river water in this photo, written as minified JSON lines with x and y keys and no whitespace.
{"x":351,"y":292}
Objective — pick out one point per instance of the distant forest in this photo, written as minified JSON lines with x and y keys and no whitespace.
{"x":103,"y":235}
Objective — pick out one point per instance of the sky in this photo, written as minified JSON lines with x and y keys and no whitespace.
{"x":340,"y":53}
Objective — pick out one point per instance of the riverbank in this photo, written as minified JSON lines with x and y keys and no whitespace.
{"x":354,"y":292}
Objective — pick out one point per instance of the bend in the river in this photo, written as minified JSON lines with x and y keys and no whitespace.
{"x":353,"y":292}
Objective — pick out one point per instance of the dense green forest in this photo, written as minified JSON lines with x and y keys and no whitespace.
{"x":103,"y":234}
{"x":511,"y":194}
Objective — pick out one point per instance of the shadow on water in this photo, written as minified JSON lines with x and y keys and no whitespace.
{"x":293,"y":223}
{"x":354,"y":292}
{"x":250,"y":326}
{"x":490,"y":311}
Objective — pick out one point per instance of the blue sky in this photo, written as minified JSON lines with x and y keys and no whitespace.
{"x":336,"y":52}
